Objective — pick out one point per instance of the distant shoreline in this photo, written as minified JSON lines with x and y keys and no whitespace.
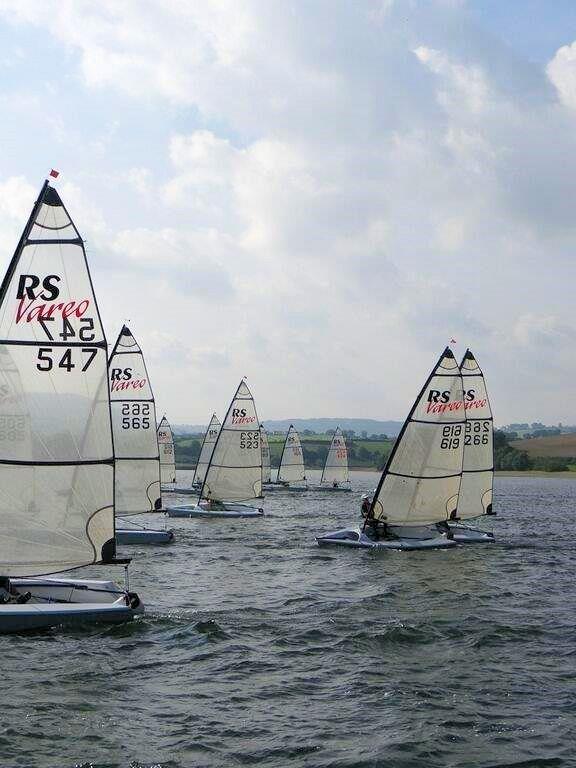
{"x":500,"y":473}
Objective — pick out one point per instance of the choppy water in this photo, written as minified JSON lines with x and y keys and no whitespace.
{"x":259,"y":649}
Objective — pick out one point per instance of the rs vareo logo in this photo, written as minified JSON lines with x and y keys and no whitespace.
{"x":37,"y":300}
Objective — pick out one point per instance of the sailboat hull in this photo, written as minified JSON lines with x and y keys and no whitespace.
{"x":230,"y":510}
{"x":143,"y":536}
{"x":331,"y":489}
{"x":354,"y":538}
{"x":463,"y":534}
{"x":56,"y":602}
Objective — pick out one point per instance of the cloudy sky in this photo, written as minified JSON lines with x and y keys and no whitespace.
{"x":317,"y":194}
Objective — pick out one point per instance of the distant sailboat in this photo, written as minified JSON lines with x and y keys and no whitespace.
{"x":137,"y":475}
{"x":475,"y":496}
{"x":167,"y":459}
{"x":234,"y":473}
{"x":56,"y":449}
{"x":291,"y":469}
{"x":418,"y":490}
{"x":210,"y":437}
{"x":335,"y":475}
{"x":265,"y":455}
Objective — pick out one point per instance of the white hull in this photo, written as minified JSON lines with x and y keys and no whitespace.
{"x":143,"y":536}
{"x":230,"y":510}
{"x":56,"y":602}
{"x":463,"y":534}
{"x":356,"y":539}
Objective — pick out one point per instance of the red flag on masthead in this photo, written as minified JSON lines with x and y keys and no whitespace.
{"x":54,"y":174}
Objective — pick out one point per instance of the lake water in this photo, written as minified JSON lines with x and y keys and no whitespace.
{"x":260,"y":649}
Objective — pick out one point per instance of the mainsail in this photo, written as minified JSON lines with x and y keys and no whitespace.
{"x":292,"y":461}
{"x":478,"y":470}
{"x":56,"y":452}
{"x":336,"y":465}
{"x":137,"y":477}
{"x":265,"y":455}
{"x":166,"y":448}
{"x":235,"y":468}
{"x":206,"y":451}
{"x":421,"y":481}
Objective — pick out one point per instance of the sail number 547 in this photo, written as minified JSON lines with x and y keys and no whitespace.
{"x":48,"y":358}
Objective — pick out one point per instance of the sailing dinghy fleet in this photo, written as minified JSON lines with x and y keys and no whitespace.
{"x":81,"y":449}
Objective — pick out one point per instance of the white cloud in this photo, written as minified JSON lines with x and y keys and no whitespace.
{"x":333,"y":190}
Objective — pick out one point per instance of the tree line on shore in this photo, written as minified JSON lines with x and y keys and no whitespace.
{"x":369,"y":454}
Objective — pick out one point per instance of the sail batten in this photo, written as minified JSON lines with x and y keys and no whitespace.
{"x":166,"y":448}
{"x":234,"y":471}
{"x":421,"y":481}
{"x":137,"y":475}
{"x":336,"y":465}
{"x":475,"y":497}
{"x":56,"y":450}
{"x":291,"y":469}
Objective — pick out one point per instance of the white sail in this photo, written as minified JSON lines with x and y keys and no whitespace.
{"x":235,"y":469}
{"x":137,"y":475}
{"x":166,"y":448}
{"x":56,"y":453}
{"x":265,"y":455}
{"x":336,"y":465}
{"x":478,"y":470}
{"x":421,"y":480}
{"x":206,"y":451}
{"x":292,"y":461}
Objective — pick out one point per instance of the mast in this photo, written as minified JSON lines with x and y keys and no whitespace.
{"x":421,"y":480}
{"x":57,"y":509}
{"x":290,"y":428}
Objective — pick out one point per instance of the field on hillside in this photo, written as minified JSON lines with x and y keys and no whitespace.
{"x":556,"y":445}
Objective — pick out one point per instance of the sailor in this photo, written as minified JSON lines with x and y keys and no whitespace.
{"x":366,"y":504}
{"x":334,"y":484}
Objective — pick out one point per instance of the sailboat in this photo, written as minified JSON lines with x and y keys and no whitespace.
{"x":56,"y":447}
{"x":266,"y":477}
{"x":418,"y":490}
{"x":291,"y":469}
{"x":234,"y":473}
{"x":335,"y":476}
{"x":167,"y":461}
{"x":210,"y":437}
{"x":137,"y":475}
{"x":475,"y":497}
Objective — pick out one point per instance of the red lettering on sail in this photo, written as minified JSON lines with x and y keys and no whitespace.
{"x":243,"y":419}
{"x":131,"y":384}
{"x":28,"y":311}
